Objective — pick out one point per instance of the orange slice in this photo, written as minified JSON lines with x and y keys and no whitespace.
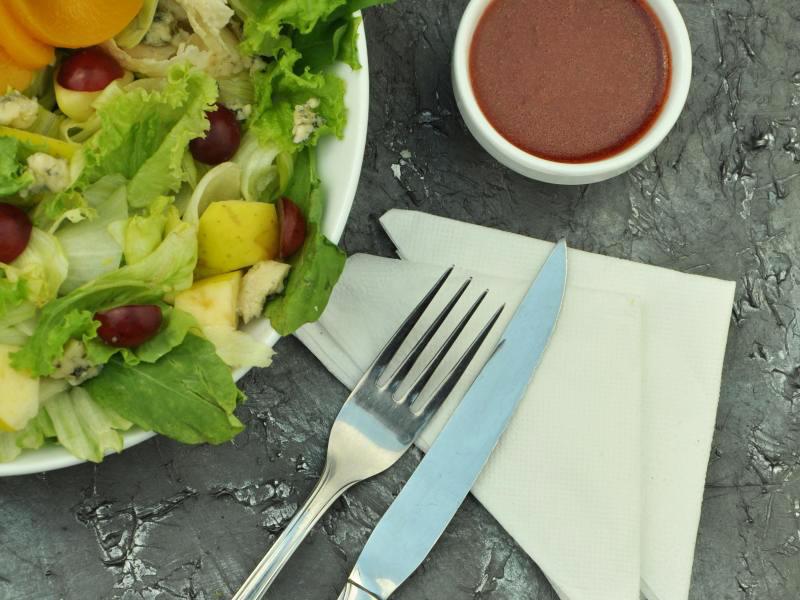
{"x":74,"y":23}
{"x":12,"y":75}
{"x":20,"y":46}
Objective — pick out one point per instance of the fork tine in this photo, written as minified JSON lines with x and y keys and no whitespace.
{"x":405,"y":365}
{"x":452,"y":377}
{"x":399,"y":336}
{"x":416,"y":387}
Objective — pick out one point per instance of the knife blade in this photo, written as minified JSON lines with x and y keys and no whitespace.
{"x":429,"y":500}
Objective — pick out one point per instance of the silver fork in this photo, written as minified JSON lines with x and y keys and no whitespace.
{"x":376,"y":425}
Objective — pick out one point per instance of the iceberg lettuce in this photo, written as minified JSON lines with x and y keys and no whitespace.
{"x":89,"y":245}
{"x":86,"y":429}
{"x":42,"y":268}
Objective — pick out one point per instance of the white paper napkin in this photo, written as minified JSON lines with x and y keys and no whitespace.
{"x":575,"y":433}
{"x":684,"y":328}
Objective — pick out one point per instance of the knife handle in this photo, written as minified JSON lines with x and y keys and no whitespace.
{"x":352,"y":592}
{"x":328,"y":489}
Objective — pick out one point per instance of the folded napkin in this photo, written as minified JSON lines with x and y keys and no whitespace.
{"x":637,"y":354}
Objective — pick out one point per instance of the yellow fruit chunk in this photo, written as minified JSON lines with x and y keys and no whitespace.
{"x":74,"y":23}
{"x":234,"y":234}
{"x":20,"y":46}
{"x":12,"y":75}
{"x":212,"y":301}
{"x":19,"y":394}
{"x":48,"y":145}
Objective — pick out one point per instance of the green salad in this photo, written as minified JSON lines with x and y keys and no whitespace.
{"x":158,"y":190}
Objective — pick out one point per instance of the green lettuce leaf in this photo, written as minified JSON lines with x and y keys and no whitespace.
{"x":330,"y":41}
{"x":323,"y":30}
{"x":188,"y":395}
{"x":265,"y":23}
{"x":42,"y":266}
{"x":175,"y":327}
{"x":144,"y":232}
{"x":69,"y":206}
{"x":237,"y":90}
{"x":167,"y":270}
{"x":36,"y":433}
{"x":89,"y":246}
{"x":144,"y":134}
{"x":12,"y":294}
{"x":86,"y":429}
{"x":316,"y":267}
{"x":279,"y":89}
{"x":14,"y":173}
{"x":17,"y":323}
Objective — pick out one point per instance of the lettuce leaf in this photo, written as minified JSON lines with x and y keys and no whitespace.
{"x":316,"y":267}
{"x":174,"y":329}
{"x":12,"y":294}
{"x":188,"y":395}
{"x":145,"y":133}
{"x":35,"y":434}
{"x":70,"y":417}
{"x":324,"y":31}
{"x":167,"y":270}
{"x":279,"y":89}
{"x":265,"y":23}
{"x":144,"y":232}
{"x":69,"y":206}
{"x":238,"y":349}
{"x":16,"y":319}
{"x":89,"y":246}
{"x":42,"y":266}
{"x":86,"y":429}
{"x":330,"y":41}
{"x":14,"y":174}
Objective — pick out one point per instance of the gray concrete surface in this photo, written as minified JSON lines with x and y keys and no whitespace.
{"x":720,"y":197}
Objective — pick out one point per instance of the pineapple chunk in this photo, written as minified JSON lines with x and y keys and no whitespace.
{"x":234,"y":234}
{"x":19,"y":394}
{"x":213,"y":301}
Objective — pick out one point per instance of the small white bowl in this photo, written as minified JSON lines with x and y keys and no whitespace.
{"x":574,"y":173}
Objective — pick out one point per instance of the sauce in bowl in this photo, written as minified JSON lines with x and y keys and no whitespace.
{"x":570,"y":80}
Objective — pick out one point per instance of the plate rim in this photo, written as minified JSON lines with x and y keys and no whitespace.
{"x":57,"y":457}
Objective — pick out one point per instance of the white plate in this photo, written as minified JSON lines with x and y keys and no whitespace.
{"x":340,"y":168}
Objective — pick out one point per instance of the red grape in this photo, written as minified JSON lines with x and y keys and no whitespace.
{"x":222,"y":139}
{"x":293,"y":227}
{"x":15,"y":232}
{"x":129,"y":326}
{"x":89,"y":70}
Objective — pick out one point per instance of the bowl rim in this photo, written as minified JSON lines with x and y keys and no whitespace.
{"x":680,"y":51}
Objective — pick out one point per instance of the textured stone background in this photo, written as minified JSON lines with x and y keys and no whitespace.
{"x":720,"y":197}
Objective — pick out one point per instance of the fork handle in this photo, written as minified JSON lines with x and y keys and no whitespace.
{"x":328,"y":489}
